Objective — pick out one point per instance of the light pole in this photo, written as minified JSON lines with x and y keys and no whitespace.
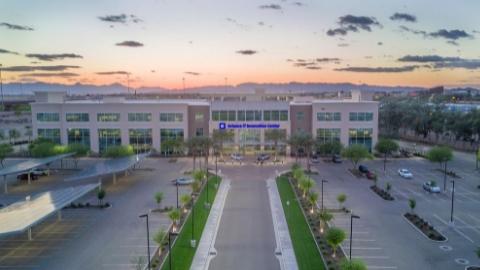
{"x":206,"y":179}
{"x":148,"y":239}
{"x":453,"y":197}
{"x":323,"y":181}
{"x":193,"y":241}
{"x":170,"y":257}
{"x":352,"y":216}
{"x":176,"y":184}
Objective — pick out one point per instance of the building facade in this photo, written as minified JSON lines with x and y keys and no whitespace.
{"x":149,"y":123}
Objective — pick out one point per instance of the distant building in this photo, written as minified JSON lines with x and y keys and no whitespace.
{"x":148,"y":123}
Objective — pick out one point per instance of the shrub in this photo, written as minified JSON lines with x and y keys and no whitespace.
{"x":412,"y":203}
{"x":335,"y":237}
{"x":341,"y":198}
{"x":354,"y":264}
{"x":101,"y":193}
{"x":118,"y":151}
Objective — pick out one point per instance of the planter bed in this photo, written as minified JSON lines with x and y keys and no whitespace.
{"x":449,"y":173}
{"x":424,"y":227}
{"x":87,"y":205}
{"x":472,"y":267}
{"x":382,"y":193}
{"x":356,"y":173}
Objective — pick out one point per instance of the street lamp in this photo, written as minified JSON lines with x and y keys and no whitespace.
{"x":323,"y":181}
{"x":148,"y":239}
{"x":453,"y":197}
{"x":193,"y":241}
{"x":176,"y":184}
{"x":206,"y":179}
{"x":170,"y":257}
{"x":352,"y":216}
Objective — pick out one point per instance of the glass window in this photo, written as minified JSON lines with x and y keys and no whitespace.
{"x":327,"y":135}
{"x":108,"y":137}
{"x":249,"y":116}
{"x":139,"y":117}
{"x":140,"y":139}
{"x":361,"y":136}
{"x":231,"y":116}
{"x":353,"y":116}
{"x":48,"y":117}
{"x":283,"y":115}
{"x":267,"y":115}
{"x":52,"y":134}
{"x":368,"y":116}
{"x":171,"y":117}
{"x":77,"y":117}
{"x":300,"y":116}
{"x":361,"y":116}
{"x":275,"y":115}
{"x":223,"y":116}
{"x":169,"y":134}
{"x":215,"y":115}
{"x":199,"y":132}
{"x":337,"y":116}
{"x":199,"y":116}
{"x":79,"y":136}
{"x":108,"y":117}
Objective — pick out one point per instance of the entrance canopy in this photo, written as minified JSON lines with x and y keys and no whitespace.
{"x":32,"y":164}
{"x":22,"y":215}
{"x":109,"y":166}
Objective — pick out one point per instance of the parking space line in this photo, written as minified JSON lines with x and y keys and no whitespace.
{"x":455,"y":229}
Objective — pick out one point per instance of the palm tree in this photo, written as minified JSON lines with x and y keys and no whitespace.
{"x":185,"y":199}
{"x":196,"y":186}
{"x":294,"y":142}
{"x":306,"y":183}
{"x":193,"y":144}
{"x":312,"y":199}
{"x":159,"y":238}
{"x":302,"y":141}
{"x":205,"y":146}
{"x":275,"y":135}
{"x":101,"y":193}
{"x":174,"y":216}
{"x":13,"y":134}
{"x":335,"y":237}
{"x":159,"y":198}
{"x":219,"y":137}
{"x":412,"y":203}
{"x":341,"y":198}
{"x":324,"y":216}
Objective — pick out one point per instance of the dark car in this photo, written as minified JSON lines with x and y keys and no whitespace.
{"x":24,"y":176}
{"x":337,"y":159}
{"x":315,"y":159}
{"x":263,"y":157}
{"x":371,"y":175}
{"x":363,"y":169}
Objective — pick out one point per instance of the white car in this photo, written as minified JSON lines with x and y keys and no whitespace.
{"x":236,"y":156}
{"x":182,"y":181}
{"x":431,"y":186}
{"x":405,"y":173}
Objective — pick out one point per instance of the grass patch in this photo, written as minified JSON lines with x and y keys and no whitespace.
{"x":182,"y":252}
{"x":304,"y":245}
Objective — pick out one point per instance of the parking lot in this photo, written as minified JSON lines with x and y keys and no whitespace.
{"x":383,"y":238}
{"x":95,"y":238}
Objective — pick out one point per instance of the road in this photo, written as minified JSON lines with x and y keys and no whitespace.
{"x":246,"y":238}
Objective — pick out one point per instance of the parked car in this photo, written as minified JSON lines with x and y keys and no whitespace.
{"x":363,"y":169}
{"x":337,"y":159}
{"x":263,"y":157}
{"x":431,"y":186}
{"x":24,"y":176}
{"x":371,"y":175}
{"x":182,"y":181}
{"x":405,"y":173}
{"x":315,"y":159}
{"x":40,"y":172}
{"x":236,"y":156}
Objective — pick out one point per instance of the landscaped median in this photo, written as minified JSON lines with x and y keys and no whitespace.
{"x":182,"y":250}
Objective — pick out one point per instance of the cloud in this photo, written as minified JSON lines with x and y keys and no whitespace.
{"x":118,"y":72}
{"x":51,"y":57}
{"x":403,"y":17}
{"x":122,"y":18}
{"x":379,"y":43}
{"x":351,"y":23}
{"x":130,"y":43}
{"x":298,"y":4}
{"x":7,"y":52}
{"x":236,"y":23}
{"x":61,"y":74}
{"x":438,"y":62}
{"x":16,"y":27}
{"x":378,"y":69}
{"x":313,"y":64}
{"x":343,"y":45}
{"x":450,"y":35}
{"x":271,"y":6}
{"x":327,"y":59}
{"x":247,"y":52}
{"x":192,"y":73}
{"x":38,"y":68}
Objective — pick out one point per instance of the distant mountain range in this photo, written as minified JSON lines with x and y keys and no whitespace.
{"x":293,"y":87}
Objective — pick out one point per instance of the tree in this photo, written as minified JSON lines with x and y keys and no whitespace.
{"x":40,"y":149}
{"x":386,"y":147}
{"x":312,"y":199}
{"x":412,"y":203}
{"x":220,"y":136}
{"x":341,"y":198}
{"x":174,"y":216}
{"x":28,"y":133}
{"x":160,"y":239}
{"x":118,"y":151}
{"x":478,"y":252}
{"x":194,"y":147}
{"x":356,"y":153}
{"x":329,"y":148}
{"x":13,"y":134}
{"x":5,"y":149}
{"x":79,"y":149}
{"x":276,"y":136}
{"x":302,"y":142}
{"x":354,"y":264}
{"x":388,"y":187}
{"x":196,"y":186}
{"x":101,"y":193}
{"x":335,"y":237}
{"x":185,"y":199}
{"x":325,"y":217}
{"x":138,"y":262}
{"x":158,"y":198}
{"x":441,"y":155}
{"x":306,"y":183}
{"x":205,"y":145}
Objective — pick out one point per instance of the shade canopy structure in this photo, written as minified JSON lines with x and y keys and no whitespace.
{"x":32,"y":164}
{"x":109,"y":166}
{"x":23,"y":215}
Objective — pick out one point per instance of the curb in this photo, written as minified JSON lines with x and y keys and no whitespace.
{"x":418,"y":230}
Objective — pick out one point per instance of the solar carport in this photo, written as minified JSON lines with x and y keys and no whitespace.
{"x":30,"y":165}
{"x":109,"y":166}
{"x":23,"y":215}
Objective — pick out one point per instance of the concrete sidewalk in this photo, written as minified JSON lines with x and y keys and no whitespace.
{"x":284,"y":251}
{"x":206,"y":250}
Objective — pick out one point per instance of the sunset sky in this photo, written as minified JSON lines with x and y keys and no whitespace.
{"x":210,"y":42}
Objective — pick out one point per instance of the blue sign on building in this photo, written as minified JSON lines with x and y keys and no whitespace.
{"x":223,"y":125}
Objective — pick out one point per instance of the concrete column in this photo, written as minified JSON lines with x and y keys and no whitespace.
{"x":114,"y":179}
{"x":5,"y":184}
{"x":30,"y":234}
{"x":100,"y":183}
{"x":28,"y":175}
